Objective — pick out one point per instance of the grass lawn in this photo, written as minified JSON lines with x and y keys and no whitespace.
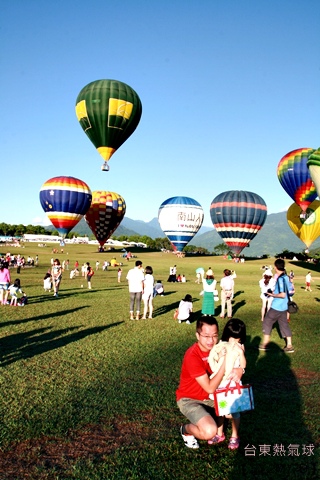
{"x":88,"y":394}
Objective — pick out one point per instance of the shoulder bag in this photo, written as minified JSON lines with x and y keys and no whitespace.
{"x":292,"y":306}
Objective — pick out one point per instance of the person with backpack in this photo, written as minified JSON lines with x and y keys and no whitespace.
{"x":278,"y":310}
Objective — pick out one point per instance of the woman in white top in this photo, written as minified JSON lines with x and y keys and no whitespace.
{"x":227,"y":287}
{"x":147,"y":295}
{"x":185,"y":309}
{"x":266,"y":283}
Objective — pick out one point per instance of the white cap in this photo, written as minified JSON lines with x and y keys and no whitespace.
{"x":267,"y":272}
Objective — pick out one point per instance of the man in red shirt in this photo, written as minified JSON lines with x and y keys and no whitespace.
{"x":195,"y":385}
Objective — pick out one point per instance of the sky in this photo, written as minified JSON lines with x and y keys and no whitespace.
{"x":227,"y":89}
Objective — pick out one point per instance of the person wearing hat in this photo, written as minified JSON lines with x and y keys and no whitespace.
{"x":267,"y":272}
{"x":227,"y":287}
{"x":209,"y":286}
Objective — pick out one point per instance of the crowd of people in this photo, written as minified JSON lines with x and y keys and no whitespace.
{"x":198,"y":380}
{"x":9,"y":288}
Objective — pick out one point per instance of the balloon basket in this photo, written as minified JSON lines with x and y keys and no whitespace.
{"x":105,"y":167}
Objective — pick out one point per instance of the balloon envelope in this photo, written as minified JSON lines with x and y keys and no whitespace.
{"x":313,"y":165}
{"x":109,"y":112}
{"x":105,"y":214}
{"x":65,"y":200}
{"x":180,"y":218}
{"x":294,"y":176}
{"x":238,"y":216}
{"x":307,"y":228}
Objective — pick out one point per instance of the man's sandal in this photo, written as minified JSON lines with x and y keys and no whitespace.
{"x":234,"y":443}
{"x":217,"y":439}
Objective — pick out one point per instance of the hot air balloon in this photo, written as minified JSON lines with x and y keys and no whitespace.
{"x":109,"y":111}
{"x":294,"y":176}
{"x":313,"y":165}
{"x":105,"y":214}
{"x":65,"y":200}
{"x":307,"y":229}
{"x":180,"y":219}
{"x":238,"y":216}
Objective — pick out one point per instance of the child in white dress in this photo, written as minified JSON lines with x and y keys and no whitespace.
{"x":14,"y":289}
{"x":147,"y":295}
{"x":232,"y":343}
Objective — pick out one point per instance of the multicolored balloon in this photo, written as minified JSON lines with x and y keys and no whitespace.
{"x":65,"y":200}
{"x":105,"y":214}
{"x":294,"y":176}
{"x":313,"y":165}
{"x":109,"y":111}
{"x":180,"y":218}
{"x":307,"y":228}
{"x":237,"y":217}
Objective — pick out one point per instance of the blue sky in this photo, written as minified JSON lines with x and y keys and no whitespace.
{"x":227,"y":88}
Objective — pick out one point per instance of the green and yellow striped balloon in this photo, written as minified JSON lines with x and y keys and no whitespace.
{"x":108,"y":111}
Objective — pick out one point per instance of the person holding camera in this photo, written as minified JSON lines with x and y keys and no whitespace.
{"x":278,"y":310}
{"x":266,"y":285}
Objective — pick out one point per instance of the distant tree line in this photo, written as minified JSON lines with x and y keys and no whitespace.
{"x":19,"y":230}
{"x":153,"y":244}
{"x":159,"y":243}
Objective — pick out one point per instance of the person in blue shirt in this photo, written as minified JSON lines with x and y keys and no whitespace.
{"x":278,"y":310}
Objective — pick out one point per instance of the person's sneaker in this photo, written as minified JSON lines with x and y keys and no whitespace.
{"x":263,"y":348}
{"x":217,"y":439}
{"x":188,"y":322}
{"x":288,"y":349}
{"x":189,"y":440}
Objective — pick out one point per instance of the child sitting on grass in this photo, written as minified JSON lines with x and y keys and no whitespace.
{"x":23,"y":300}
{"x":47,"y":282}
{"x":185,"y":309}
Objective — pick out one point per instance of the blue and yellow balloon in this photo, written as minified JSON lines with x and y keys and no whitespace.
{"x":180,"y":218}
{"x":65,"y":200}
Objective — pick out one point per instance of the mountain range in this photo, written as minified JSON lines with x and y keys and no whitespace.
{"x":274,"y":237}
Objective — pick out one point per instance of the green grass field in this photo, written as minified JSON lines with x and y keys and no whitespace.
{"x":88,"y":394}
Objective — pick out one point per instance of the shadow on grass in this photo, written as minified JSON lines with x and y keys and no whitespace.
{"x":314,"y":267}
{"x":74,"y":292}
{"x":235,"y":307}
{"x":165,"y":308}
{"x":169,"y":307}
{"x":168,"y":293}
{"x":238,"y":293}
{"x":38,"y":341}
{"x":42,"y":317}
{"x":274,"y":436}
{"x":136,"y":409}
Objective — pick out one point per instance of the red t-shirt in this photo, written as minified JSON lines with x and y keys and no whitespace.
{"x":194,"y":364}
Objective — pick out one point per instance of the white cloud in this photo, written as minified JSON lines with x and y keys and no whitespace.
{"x":42,"y":221}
